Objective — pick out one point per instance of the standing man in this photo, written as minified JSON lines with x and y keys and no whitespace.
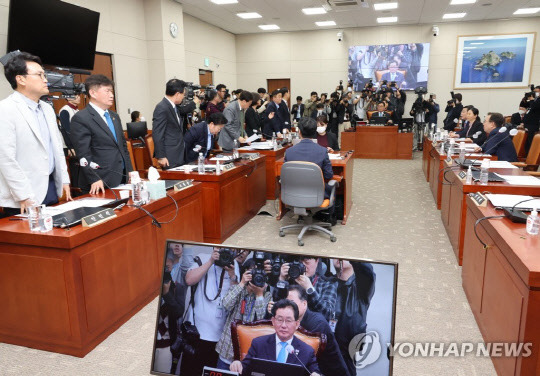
{"x":98,"y":137}
{"x":32,"y":163}
{"x":234,"y":129}
{"x":298,"y":109}
{"x":67,"y":112}
{"x":284,"y":112}
{"x":167,"y":123}
{"x":310,"y":104}
{"x":531,"y":120}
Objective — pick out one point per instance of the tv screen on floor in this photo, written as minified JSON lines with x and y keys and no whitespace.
{"x":405,"y":64}
{"x":222,"y":306}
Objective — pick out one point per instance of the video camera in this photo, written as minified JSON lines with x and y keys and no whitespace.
{"x":187,"y":341}
{"x":64,"y":83}
{"x":190,"y":91}
{"x":226,"y":257}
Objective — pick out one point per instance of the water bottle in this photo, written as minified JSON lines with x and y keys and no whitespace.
{"x":533,"y":222}
{"x":441,"y":150}
{"x":450,"y":152}
{"x":200,"y":164}
{"x":462,"y":153}
{"x":235,"y":153}
{"x":218,"y":168}
{"x":274,"y":141}
{"x":484,"y":172}
{"x":137,"y":185}
{"x":468,"y":177}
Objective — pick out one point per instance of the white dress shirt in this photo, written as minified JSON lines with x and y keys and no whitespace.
{"x":278,"y":346}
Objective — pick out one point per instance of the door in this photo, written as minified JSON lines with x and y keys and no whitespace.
{"x":206,"y":77}
{"x":278,"y":83}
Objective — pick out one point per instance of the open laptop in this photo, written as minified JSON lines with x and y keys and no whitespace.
{"x":261,"y":367}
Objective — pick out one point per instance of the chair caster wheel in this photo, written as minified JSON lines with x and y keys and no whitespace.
{"x":300,"y":243}
{"x":281,"y":233}
{"x":300,"y":221}
{"x":333,"y":239}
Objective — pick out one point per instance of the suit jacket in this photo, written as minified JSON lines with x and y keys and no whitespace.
{"x":284,"y":114}
{"x":385,"y":115}
{"x":308,"y":151}
{"x":294,"y":110}
{"x":399,"y":78}
{"x":197,"y":135}
{"x":264,"y":347}
{"x":501,"y":145}
{"x":276,"y":124}
{"x":453,"y":114}
{"x":465,"y":129}
{"x":315,"y":112}
{"x":477,"y":126}
{"x":94,"y":141}
{"x":253,"y":121}
{"x":233,"y":129}
{"x":168,"y":134}
{"x":516,"y":119}
{"x":24,"y":160}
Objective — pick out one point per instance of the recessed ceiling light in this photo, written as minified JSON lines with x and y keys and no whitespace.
{"x":461,"y":2}
{"x":325,"y":23}
{"x":249,"y":15}
{"x":453,"y":15}
{"x":269,"y":27}
{"x":385,"y":6}
{"x":221,"y":2}
{"x":386,"y":19}
{"x":311,"y":11}
{"x":527,"y":11}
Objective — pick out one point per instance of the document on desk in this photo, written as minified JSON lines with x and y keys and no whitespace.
{"x":509,"y":201}
{"x":253,"y":137}
{"x":83,"y":202}
{"x":266,"y":145}
{"x":124,"y":187}
{"x":520,"y":180}
{"x":501,"y":164}
{"x":221,"y":158}
{"x":333,"y":156}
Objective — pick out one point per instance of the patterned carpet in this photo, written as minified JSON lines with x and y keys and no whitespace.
{"x":393,"y":218}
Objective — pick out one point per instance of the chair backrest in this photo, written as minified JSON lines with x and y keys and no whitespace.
{"x":370,"y":113}
{"x":150,"y":146}
{"x":533,"y":158}
{"x":508,"y":119}
{"x":130,"y":150}
{"x":519,"y":143}
{"x":302,"y":184}
{"x":243,"y":333}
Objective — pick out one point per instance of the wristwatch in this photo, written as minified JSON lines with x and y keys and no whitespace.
{"x":310,"y":290}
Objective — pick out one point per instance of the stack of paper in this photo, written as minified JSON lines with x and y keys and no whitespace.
{"x":501,"y":164}
{"x":334,"y":156}
{"x":521,"y":180}
{"x":511,"y":200}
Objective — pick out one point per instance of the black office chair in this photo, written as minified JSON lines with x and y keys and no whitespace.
{"x":302,"y":189}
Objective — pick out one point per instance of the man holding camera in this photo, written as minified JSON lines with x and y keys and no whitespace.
{"x":309,"y":106}
{"x":213,"y":274}
{"x":454,"y":112}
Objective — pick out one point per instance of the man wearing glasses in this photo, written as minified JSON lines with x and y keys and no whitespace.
{"x":32,"y":163}
{"x":282,"y":346}
{"x":222,"y":91}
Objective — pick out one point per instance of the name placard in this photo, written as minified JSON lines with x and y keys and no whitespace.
{"x":98,"y":218}
{"x":183,"y":185}
{"x":227,"y":167}
{"x":479,"y":199}
{"x":462,"y":175}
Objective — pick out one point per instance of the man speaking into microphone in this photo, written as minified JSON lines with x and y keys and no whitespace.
{"x":498,"y":142}
{"x":282,"y":346}
{"x":98,"y":137}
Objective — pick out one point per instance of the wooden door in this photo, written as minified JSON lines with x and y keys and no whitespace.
{"x":278,"y":83}
{"x":102,"y":65}
{"x":206,"y":77}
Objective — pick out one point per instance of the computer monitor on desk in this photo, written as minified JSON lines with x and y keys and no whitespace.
{"x":137,"y":130}
{"x":378,"y":120}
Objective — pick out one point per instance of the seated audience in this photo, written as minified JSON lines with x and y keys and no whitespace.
{"x":324,"y":138}
{"x":136,"y":116}
{"x":498,"y":143}
{"x":476,"y":132}
{"x":517,"y":118}
{"x":201,"y":137}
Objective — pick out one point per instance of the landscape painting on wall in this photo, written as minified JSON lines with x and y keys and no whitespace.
{"x":494,"y":61}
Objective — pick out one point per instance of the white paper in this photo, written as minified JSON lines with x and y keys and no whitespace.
{"x":266,"y":145}
{"x":122,"y":187}
{"x":501,"y":164}
{"x":511,"y":200}
{"x":253,"y":137}
{"x":334,"y":156}
{"x":521,"y":180}
{"x":222,"y":158}
{"x":83,"y":202}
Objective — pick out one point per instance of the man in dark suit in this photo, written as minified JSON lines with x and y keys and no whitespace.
{"x":298,"y":109}
{"x":98,"y":137}
{"x":453,"y":114}
{"x":283,"y":109}
{"x":275,"y":123}
{"x":531,"y":120}
{"x":393,"y":75}
{"x":167,"y":123}
{"x":498,"y":143}
{"x":319,"y":111}
{"x":517,"y":118}
{"x":201,"y":137}
{"x":381,"y":112}
{"x":282,"y":346}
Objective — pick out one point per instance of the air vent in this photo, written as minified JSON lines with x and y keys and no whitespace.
{"x":343,"y":3}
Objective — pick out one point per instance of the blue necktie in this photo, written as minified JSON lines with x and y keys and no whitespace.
{"x":282,"y":356}
{"x":110,"y":124}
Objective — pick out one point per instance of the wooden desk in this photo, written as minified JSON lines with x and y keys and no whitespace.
{"x":426,"y":156}
{"x":377,"y":142}
{"x":453,"y":202}
{"x":67,"y":290}
{"x":231,"y":199}
{"x":271,"y":178}
{"x":502,"y":285}
{"x":344,"y":169}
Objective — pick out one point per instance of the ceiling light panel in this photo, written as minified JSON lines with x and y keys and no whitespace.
{"x":269,"y":27}
{"x":325,"y":23}
{"x":222,"y":2}
{"x":527,"y":11}
{"x":385,"y":6}
{"x":449,"y":16}
{"x":462,"y":2}
{"x":249,"y":15}
{"x":386,"y":19}
{"x":312,"y":11}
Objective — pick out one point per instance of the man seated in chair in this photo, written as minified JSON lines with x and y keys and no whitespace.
{"x":393,"y":74}
{"x":201,"y":137}
{"x":282,"y":346}
{"x":384,"y":116}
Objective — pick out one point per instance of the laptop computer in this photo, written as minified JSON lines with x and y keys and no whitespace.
{"x":262,"y":367}
{"x":376,"y":119}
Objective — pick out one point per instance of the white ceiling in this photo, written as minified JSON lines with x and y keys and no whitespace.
{"x":287,"y":14}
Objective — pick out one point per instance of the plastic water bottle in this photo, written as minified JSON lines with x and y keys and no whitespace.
{"x":441,"y":150}
{"x":450,"y":152}
{"x":235,"y":153}
{"x":462,"y":153}
{"x":484,"y":172}
{"x":533,"y":223}
{"x":138,"y":188}
{"x":274,"y":141}
{"x":468,"y":177}
{"x":200,"y":164}
{"x":218,"y":168}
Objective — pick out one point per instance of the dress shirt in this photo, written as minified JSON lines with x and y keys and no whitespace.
{"x":39,"y":115}
{"x":278,"y":346}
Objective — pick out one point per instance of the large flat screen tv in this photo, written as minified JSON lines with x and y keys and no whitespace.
{"x":59,"y":33}
{"x":210,"y":315}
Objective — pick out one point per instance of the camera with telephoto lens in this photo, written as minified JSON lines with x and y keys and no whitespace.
{"x":190,"y":90}
{"x":64,"y":83}
{"x":340,"y":87}
{"x":187,"y":340}
{"x":276,"y":266}
{"x":258,"y":276}
{"x":296,"y":269}
{"x":226,"y":257}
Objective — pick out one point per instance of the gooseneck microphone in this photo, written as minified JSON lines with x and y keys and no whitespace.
{"x":517,"y":216}
{"x":291,"y":350}
{"x":83,"y":162}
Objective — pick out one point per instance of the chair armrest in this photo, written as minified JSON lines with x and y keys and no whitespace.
{"x":519,"y":164}
{"x":534,"y":173}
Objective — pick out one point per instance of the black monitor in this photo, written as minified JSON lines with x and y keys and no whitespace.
{"x":366,"y":291}
{"x":59,"y":33}
{"x":379,"y":120}
{"x":137,"y":130}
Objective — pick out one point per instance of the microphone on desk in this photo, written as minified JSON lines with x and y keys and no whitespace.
{"x":517,"y":216}
{"x":83,"y":162}
{"x":291,"y":350}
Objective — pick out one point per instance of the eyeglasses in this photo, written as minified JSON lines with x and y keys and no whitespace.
{"x":41,"y":75}
{"x":281,"y":320}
